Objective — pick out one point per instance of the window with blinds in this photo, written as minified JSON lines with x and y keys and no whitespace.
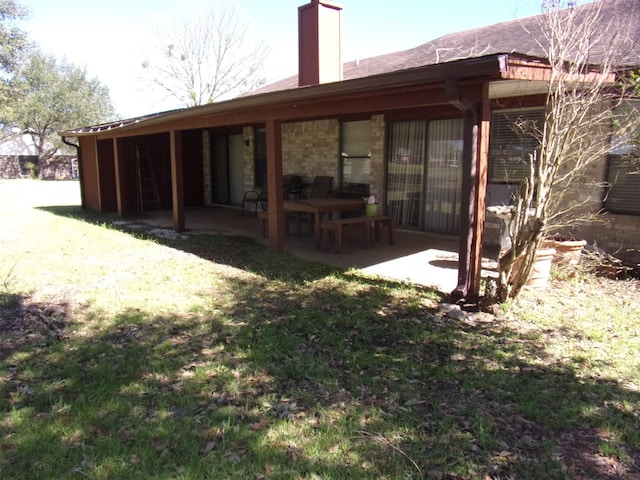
{"x":623,"y":176}
{"x":355,"y":158}
{"x":514,"y":137}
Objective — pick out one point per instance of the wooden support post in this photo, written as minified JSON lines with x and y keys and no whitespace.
{"x":470,"y":248}
{"x":119,"y":177}
{"x":274,"y":185}
{"x":482,"y":173}
{"x":177,"y":180}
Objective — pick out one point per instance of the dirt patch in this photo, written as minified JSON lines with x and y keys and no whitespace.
{"x":580,"y":453}
{"x":25,"y":323}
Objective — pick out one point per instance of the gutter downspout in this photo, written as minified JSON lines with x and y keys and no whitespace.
{"x":468,"y":268}
{"x":78,"y":155}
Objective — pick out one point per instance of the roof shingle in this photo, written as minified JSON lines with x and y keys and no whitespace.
{"x":524,"y":36}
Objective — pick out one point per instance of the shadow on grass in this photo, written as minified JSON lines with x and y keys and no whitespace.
{"x":310,"y":372}
{"x":235,"y":251}
{"x":320,"y":380}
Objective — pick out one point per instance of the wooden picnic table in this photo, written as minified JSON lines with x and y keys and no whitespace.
{"x":323,"y":206}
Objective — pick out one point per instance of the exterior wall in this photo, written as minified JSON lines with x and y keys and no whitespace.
{"x":18,"y":144}
{"x":378,"y":155}
{"x":311,"y":148}
{"x":206,"y":167}
{"x":89,"y":172}
{"x":10,"y":167}
{"x":618,"y":235}
{"x":247,"y":158}
{"x":59,"y":167}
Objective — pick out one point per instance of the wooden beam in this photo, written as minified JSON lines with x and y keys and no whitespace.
{"x":177,"y":180}
{"x":274,"y":184}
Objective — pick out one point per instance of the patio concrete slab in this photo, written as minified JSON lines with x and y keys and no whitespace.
{"x":421,"y":258}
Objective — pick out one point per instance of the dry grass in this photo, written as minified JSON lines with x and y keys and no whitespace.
{"x":210,"y":357}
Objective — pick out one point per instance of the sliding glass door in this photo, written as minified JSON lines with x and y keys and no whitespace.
{"x":424,"y":174}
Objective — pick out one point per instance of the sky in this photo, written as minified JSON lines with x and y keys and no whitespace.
{"x":111,"y":39}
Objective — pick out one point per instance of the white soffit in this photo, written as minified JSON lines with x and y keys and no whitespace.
{"x":517,"y":88}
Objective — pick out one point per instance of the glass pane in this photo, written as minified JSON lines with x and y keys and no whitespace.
{"x":405,"y":172}
{"x":515,"y":135}
{"x":623,"y":175}
{"x":356,"y":138}
{"x":444,"y":176}
{"x":356,"y":164}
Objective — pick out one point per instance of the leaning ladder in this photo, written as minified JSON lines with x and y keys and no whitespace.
{"x":148,"y":196}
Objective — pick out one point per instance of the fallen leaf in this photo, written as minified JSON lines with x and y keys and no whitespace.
{"x":210,"y":446}
{"x":261,"y":425}
{"x":413,"y":402}
{"x":367,"y":465}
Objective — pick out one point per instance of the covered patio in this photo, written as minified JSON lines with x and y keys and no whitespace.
{"x":421,"y":258}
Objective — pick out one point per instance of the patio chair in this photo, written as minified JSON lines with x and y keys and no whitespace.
{"x":254,"y":198}
{"x":292,"y":186}
{"x":321,"y":187}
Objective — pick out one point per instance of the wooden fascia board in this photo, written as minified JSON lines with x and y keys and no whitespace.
{"x":388,"y":100}
{"x":539,"y":69}
{"x":249,"y":109}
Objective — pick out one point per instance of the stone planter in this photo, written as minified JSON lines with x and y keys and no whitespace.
{"x":568,"y":251}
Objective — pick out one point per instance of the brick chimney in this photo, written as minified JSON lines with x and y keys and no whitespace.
{"x":319,"y":43}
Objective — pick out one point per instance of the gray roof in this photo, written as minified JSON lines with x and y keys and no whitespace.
{"x":617,"y":23}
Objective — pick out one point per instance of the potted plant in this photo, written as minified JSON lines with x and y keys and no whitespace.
{"x":371,"y":206}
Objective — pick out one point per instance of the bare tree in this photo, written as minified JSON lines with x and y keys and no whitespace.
{"x":587,"y":49}
{"x":207,"y":58}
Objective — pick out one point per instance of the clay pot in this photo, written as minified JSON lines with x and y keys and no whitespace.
{"x":568,"y":251}
{"x":541,"y":270}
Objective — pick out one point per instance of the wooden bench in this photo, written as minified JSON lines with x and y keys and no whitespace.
{"x":264,"y":220}
{"x":337,"y":226}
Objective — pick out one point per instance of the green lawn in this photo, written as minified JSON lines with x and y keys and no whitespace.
{"x":127,"y":357}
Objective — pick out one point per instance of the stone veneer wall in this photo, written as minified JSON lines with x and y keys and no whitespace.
{"x":618,"y":235}
{"x":378,"y":137}
{"x":311,"y":148}
{"x":206,"y":168}
{"x":247,"y":158}
{"x":58,"y":167}
{"x":9,"y":167}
